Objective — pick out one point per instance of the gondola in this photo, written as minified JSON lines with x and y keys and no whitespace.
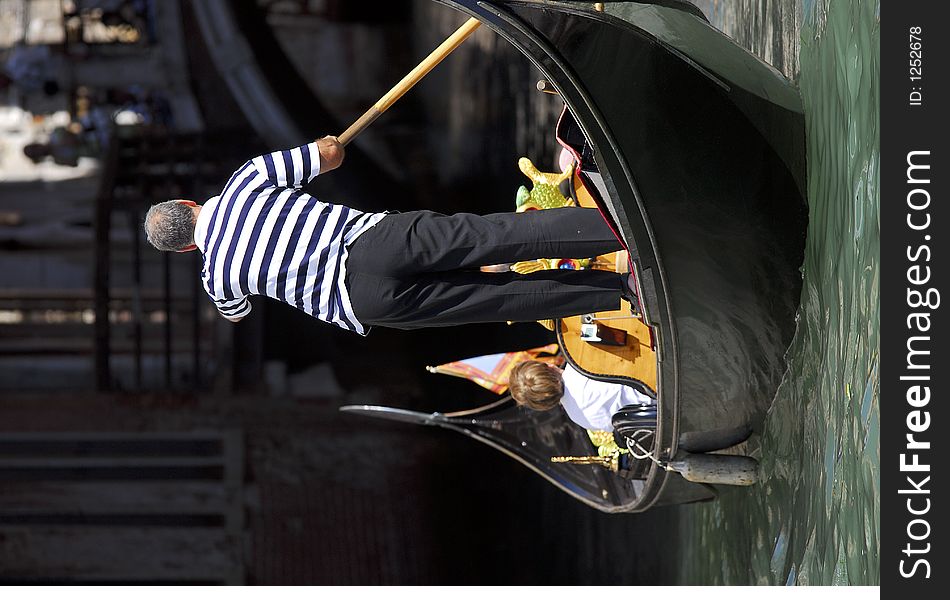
{"x":693,"y":149}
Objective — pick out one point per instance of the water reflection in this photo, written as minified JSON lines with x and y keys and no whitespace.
{"x":814,"y":519}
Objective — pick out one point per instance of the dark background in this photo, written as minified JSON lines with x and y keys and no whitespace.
{"x":144,"y":439}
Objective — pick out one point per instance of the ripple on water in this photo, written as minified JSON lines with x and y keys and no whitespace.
{"x":868,"y":397}
{"x":840,"y":576}
{"x":831,"y":459}
{"x":777,"y":563}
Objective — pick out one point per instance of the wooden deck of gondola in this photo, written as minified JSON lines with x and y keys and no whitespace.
{"x":634,"y":360}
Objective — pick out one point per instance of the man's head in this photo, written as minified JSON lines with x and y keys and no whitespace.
{"x":170,"y":226}
{"x":536,"y":385}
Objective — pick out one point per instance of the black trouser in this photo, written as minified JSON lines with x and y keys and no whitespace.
{"x":420,"y":269}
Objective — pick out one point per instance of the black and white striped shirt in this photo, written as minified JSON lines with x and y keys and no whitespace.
{"x":264,"y":235}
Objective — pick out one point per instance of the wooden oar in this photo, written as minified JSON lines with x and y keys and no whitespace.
{"x":414,"y":76}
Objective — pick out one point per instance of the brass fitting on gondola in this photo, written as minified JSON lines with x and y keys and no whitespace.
{"x":611,"y":463}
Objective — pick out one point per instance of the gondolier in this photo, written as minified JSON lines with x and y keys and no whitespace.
{"x":264,"y":235}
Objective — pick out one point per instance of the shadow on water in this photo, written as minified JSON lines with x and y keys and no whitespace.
{"x":814,"y":517}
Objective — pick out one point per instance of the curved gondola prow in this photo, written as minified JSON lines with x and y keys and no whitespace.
{"x":532,"y":438}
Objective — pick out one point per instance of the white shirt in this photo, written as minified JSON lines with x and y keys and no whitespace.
{"x":591,"y":403}
{"x":265,"y":235}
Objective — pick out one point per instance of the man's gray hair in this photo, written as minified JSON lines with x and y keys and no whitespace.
{"x":170,"y":226}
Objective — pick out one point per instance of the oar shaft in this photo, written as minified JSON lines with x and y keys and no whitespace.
{"x":414,"y":76}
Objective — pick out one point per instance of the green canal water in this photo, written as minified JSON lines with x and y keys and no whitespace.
{"x":813,"y":519}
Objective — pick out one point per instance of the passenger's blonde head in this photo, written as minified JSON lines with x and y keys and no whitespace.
{"x":536,"y":385}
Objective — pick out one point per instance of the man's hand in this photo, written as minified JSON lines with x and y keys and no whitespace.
{"x":235,"y":319}
{"x":331,"y":153}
